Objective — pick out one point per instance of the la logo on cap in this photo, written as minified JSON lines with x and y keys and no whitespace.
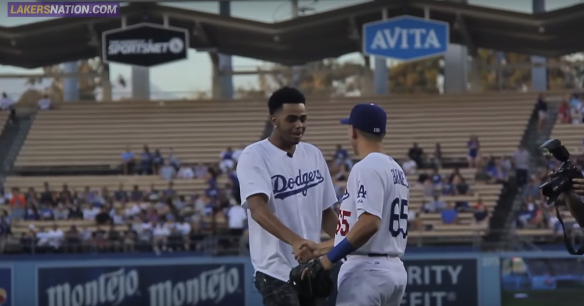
{"x":376,"y":130}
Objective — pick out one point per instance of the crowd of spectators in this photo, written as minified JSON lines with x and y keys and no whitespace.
{"x":129,"y":220}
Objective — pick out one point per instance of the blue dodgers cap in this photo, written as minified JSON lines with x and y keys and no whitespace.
{"x":367,"y":117}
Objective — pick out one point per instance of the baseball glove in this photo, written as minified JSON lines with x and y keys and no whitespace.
{"x":316,"y":283}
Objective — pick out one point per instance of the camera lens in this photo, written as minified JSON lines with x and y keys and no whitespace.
{"x":547,"y":189}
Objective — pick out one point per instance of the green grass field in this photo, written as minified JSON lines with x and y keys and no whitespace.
{"x":563,"y":297}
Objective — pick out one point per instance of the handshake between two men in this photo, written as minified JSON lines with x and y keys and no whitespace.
{"x":306,"y":250}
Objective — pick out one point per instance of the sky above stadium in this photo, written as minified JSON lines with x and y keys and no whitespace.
{"x":194,"y":74}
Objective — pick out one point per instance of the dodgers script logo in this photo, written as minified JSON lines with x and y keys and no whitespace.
{"x":285,"y":187}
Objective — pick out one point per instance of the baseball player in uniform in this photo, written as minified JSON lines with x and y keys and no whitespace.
{"x":288,"y":193}
{"x":371,"y":232}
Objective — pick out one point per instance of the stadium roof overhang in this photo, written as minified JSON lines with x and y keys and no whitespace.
{"x":329,"y":34}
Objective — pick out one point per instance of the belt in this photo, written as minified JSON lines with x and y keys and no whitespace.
{"x":373,"y":255}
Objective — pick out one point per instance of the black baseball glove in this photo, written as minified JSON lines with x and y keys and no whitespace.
{"x":316,"y":283}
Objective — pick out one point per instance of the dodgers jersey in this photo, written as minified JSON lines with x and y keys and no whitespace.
{"x":298,"y":188}
{"x":377,"y":185}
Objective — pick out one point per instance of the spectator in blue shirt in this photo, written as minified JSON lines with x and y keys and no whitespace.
{"x":474,"y":156}
{"x":32,"y":213}
{"x":146,"y":161}
{"x":173,"y":160}
{"x":449,"y":215}
{"x":227,"y":163}
{"x":128,"y":161}
{"x":136,"y":194}
{"x":121,"y":195}
{"x":342,"y":157}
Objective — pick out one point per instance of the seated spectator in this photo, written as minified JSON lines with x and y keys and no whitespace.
{"x":167,"y":172}
{"x":460,"y":185}
{"x":173,"y":160}
{"x":201,"y":170}
{"x":169,"y":192}
{"x":153,"y":194}
{"x":564,"y":113}
{"x":417,"y":154}
{"x":480,"y":212}
{"x":474,"y":156}
{"x":103,"y":217}
{"x":497,"y":175}
{"x":136,"y":194}
{"x":429,"y":189}
{"x":542,"y":108}
{"x":436,"y":205}
{"x":32,"y":213}
{"x":75,"y":212}
{"x":227,"y":163}
{"x":436,"y":178}
{"x":17,"y":204}
{"x":47,"y":196}
{"x":449,"y":215}
{"x":46,"y":213}
{"x":160,"y":235}
{"x":437,"y":157}
{"x":55,"y":237}
{"x":447,"y":188}
{"x":114,"y":238}
{"x":342,"y":157}
{"x":121,"y":195}
{"x":128,"y":161}
{"x":157,"y":161}
{"x":146,"y":161}
{"x":576,"y":109}
{"x":90,"y":212}
{"x":45,"y":102}
{"x":531,"y":189}
{"x":184,"y":228}
{"x":185,"y":172}
{"x":409,"y":166}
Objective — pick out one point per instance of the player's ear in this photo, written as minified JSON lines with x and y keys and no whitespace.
{"x":353,"y":133}
{"x":273,"y":120}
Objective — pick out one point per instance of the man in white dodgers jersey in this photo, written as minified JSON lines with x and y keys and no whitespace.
{"x":287,"y":190}
{"x":372,"y":230}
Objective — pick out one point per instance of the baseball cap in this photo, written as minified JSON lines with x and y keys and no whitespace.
{"x":367,"y":117}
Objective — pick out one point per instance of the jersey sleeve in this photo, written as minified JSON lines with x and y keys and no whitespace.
{"x":253,"y":177}
{"x":329,"y":194}
{"x":370,"y":191}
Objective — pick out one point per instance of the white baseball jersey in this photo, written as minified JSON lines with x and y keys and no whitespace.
{"x":377,"y":185}
{"x":298,"y":188}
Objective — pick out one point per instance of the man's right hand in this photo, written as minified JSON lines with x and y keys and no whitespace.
{"x":578,"y":186}
{"x":303,"y":250}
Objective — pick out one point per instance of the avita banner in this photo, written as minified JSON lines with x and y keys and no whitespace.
{"x":163,"y":285}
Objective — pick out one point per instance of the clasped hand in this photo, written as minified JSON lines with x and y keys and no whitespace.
{"x":306,"y":250}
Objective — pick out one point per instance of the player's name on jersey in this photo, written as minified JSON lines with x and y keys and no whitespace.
{"x":399,"y":178}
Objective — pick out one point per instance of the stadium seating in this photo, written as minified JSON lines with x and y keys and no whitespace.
{"x":499,"y":121}
{"x":571,"y":136}
{"x":95,"y":134}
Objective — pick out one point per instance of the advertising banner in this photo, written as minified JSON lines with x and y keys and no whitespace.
{"x":145,"y":45}
{"x":162,"y":285}
{"x":6,"y":287}
{"x":449,"y":282}
{"x":542,"y":281}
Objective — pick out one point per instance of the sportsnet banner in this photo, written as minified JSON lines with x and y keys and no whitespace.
{"x":63,"y":9}
{"x":449,"y":282}
{"x":165,"y":285}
